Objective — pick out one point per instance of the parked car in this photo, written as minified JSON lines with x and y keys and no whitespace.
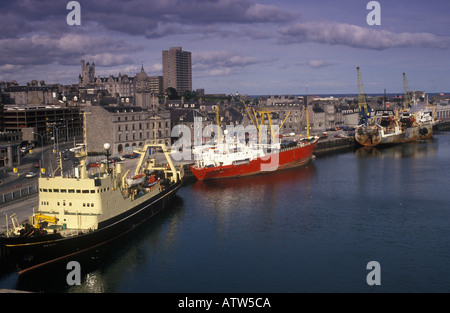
{"x":30,"y":175}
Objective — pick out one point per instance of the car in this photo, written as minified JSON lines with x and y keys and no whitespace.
{"x":36,"y":165}
{"x":76,"y":162}
{"x":96,"y":164}
{"x":66,"y":158}
{"x":30,"y":175}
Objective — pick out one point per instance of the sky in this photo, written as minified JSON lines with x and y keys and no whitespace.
{"x":254,"y":47}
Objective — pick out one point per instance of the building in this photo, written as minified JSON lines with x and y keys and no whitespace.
{"x":177,"y":69}
{"x":125,"y":128}
{"x":52,"y":121}
{"x":10,"y":143}
{"x":87,"y":75}
{"x":120,"y":86}
{"x":147,"y":90}
{"x":33,"y":93}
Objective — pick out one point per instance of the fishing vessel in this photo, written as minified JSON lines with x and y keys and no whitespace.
{"x":387,"y":127}
{"x":85,"y":210}
{"x":393,"y":127}
{"x":244,"y":158}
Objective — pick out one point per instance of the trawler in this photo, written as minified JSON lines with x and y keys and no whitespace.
{"x":389,"y":127}
{"x":84,"y":210}
{"x":393,"y":127}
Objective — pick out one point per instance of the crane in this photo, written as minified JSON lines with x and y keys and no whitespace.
{"x":407,"y":101}
{"x":364,"y":109}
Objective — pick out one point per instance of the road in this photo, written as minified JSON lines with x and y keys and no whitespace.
{"x":22,"y":208}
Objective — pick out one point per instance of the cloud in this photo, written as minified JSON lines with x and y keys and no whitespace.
{"x":317,"y":63}
{"x":150,"y":18}
{"x":358,"y":37}
{"x":223,"y":62}
{"x":66,"y":50}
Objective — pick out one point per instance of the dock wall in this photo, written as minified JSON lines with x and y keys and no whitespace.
{"x":333,"y":145}
{"x":444,"y":125}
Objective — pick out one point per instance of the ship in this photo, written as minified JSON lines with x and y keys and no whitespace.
{"x":388,"y":127}
{"x":88,"y":209}
{"x":244,"y":158}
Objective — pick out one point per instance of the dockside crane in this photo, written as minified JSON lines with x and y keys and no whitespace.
{"x":364,"y":109}
{"x":407,"y":101}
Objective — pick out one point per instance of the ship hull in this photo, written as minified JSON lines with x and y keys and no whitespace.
{"x":286,"y":158}
{"x":375,"y":136}
{"x":27,"y":254}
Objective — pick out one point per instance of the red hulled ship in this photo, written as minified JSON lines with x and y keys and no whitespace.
{"x":243,"y":160}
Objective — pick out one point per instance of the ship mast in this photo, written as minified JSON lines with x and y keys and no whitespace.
{"x":81,"y":151}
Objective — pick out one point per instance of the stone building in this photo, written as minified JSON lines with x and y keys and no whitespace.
{"x":121,"y":86}
{"x":147,"y":90}
{"x":87,"y":75}
{"x":33,"y":93}
{"x":125,"y":128}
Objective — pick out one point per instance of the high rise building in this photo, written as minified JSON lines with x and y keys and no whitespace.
{"x":177,"y":69}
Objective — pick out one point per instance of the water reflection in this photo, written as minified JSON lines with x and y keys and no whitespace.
{"x":418,"y":149}
{"x":254,"y":200}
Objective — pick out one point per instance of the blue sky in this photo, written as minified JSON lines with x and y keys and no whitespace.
{"x":246,"y":46}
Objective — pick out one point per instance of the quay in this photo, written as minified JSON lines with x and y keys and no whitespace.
{"x":442,"y":125}
{"x":330,"y":145}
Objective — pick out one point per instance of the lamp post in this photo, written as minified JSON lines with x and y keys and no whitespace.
{"x":42,"y":152}
{"x":57,"y":139}
{"x":107,"y":146}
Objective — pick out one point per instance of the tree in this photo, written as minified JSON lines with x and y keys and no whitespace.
{"x":172,"y":93}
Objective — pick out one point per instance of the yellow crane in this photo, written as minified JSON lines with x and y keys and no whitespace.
{"x":362,"y":99}
{"x":262,"y":114}
{"x":41,"y":218}
{"x":407,"y":100}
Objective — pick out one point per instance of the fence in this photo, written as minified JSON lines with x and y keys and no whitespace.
{"x":18,"y":193}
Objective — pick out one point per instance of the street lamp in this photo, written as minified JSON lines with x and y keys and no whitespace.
{"x":57,"y":139}
{"x":42,"y":151}
{"x":107,"y":146}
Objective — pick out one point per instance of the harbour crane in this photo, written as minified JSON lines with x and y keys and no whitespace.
{"x":407,"y":101}
{"x":364,"y":109}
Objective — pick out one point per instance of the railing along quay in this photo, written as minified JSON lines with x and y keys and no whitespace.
{"x":11,"y":195}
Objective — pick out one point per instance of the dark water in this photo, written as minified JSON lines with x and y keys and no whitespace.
{"x":312,"y":229}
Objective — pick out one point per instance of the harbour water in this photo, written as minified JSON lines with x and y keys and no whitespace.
{"x":310,"y":229}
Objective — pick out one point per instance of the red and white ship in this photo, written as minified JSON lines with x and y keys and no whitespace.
{"x":245,"y":158}
{"x":240,"y":159}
